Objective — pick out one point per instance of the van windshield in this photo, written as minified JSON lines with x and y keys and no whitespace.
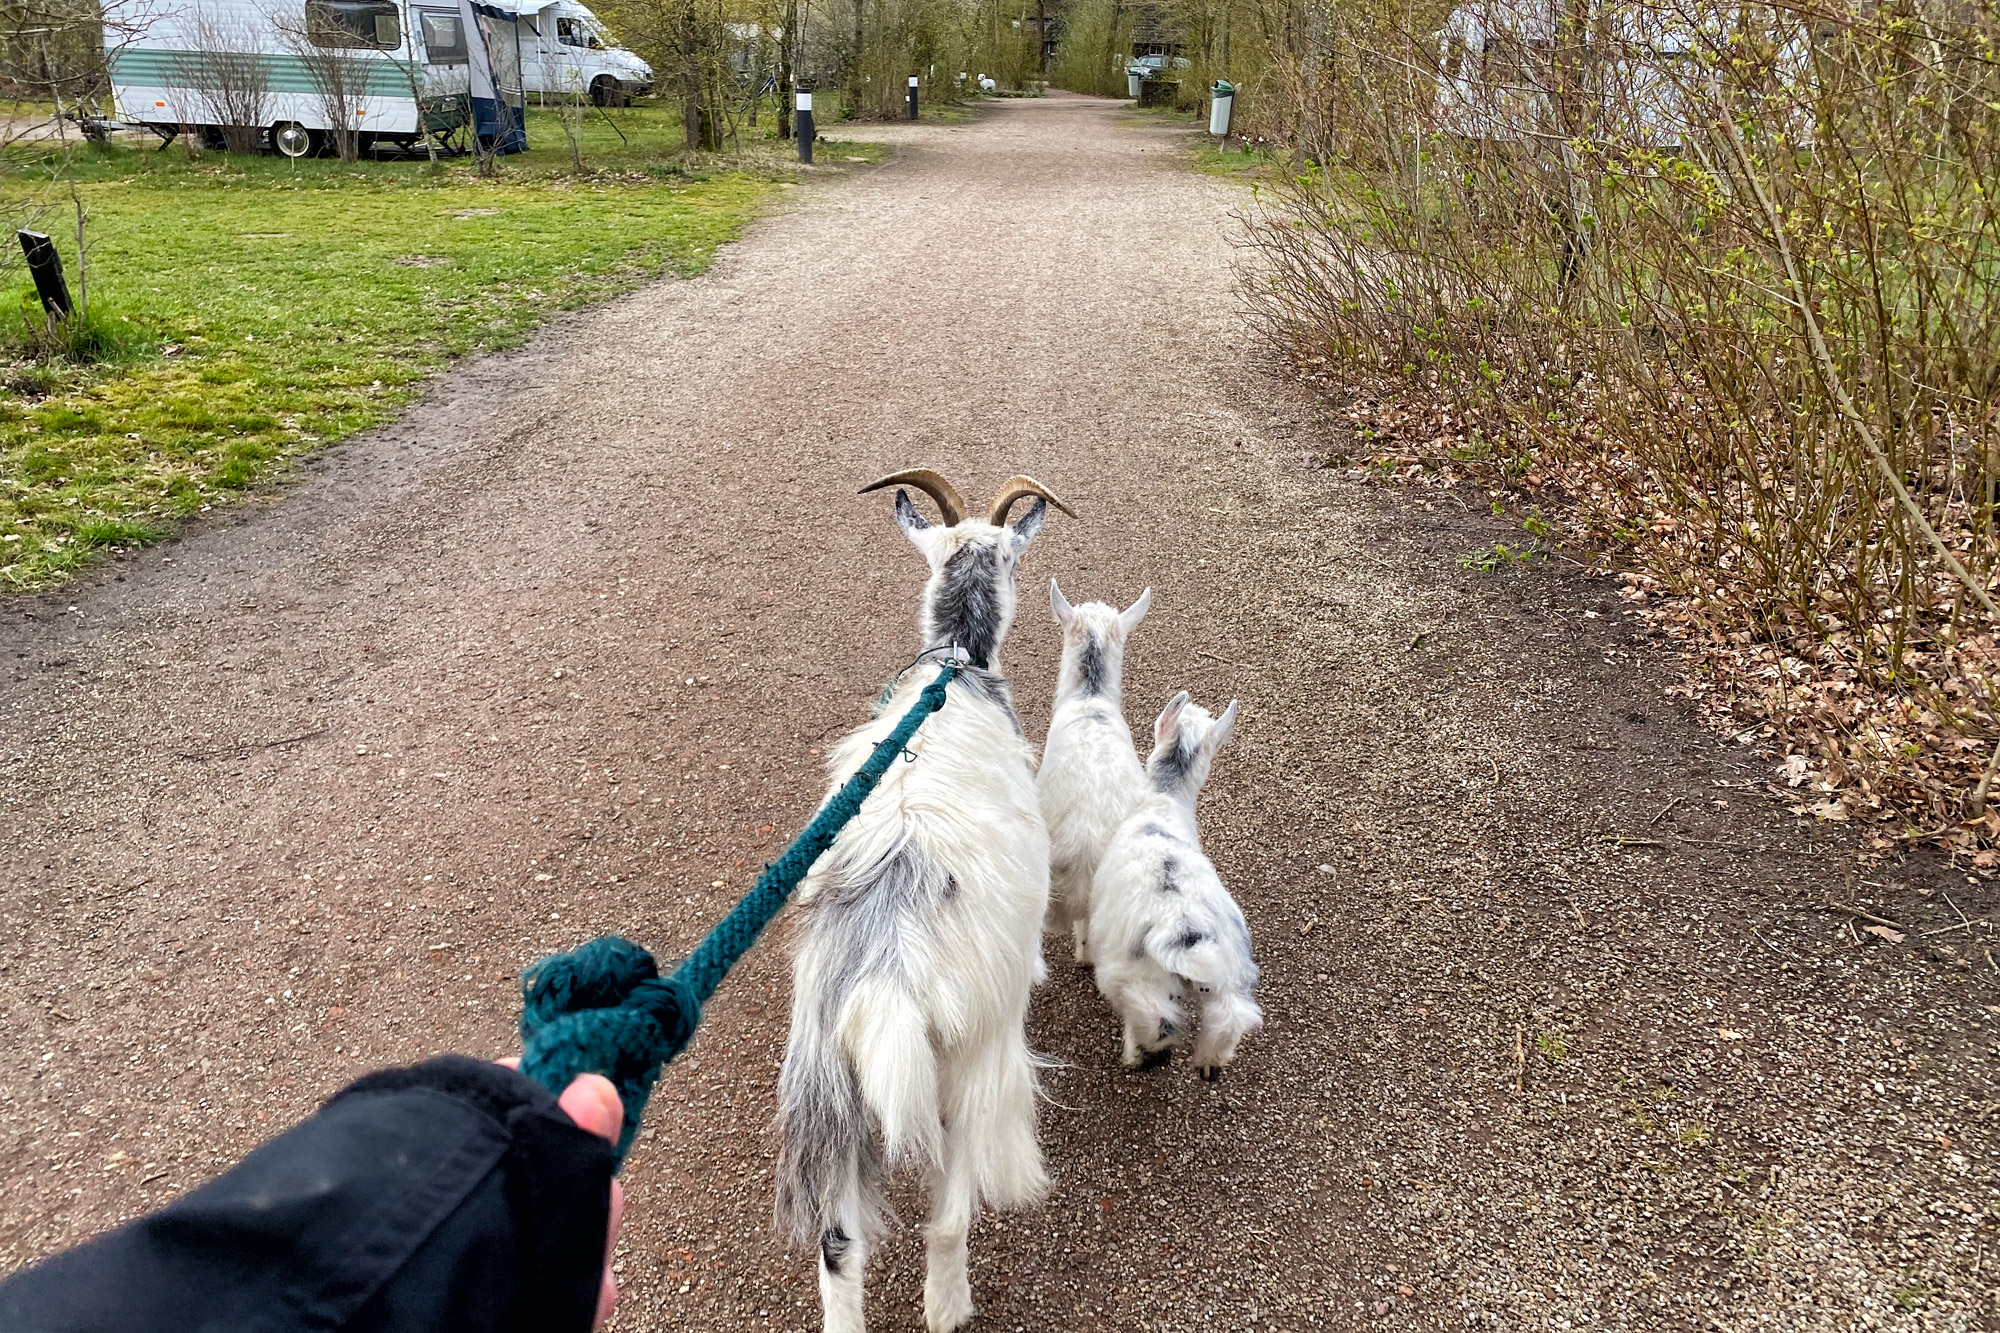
{"x":577,"y":31}
{"x":353,"y":24}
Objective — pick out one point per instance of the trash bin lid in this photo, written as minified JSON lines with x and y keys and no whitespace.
{"x":1224,"y":88}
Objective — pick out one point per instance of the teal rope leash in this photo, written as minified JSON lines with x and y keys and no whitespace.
{"x":605,"y":1009}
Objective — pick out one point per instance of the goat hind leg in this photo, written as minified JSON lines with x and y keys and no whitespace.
{"x":1225,"y":1018}
{"x":947,"y":1284}
{"x":1069,"y":906}
{"x":843,"y":1255}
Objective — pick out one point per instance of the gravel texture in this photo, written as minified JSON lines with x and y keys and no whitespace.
{"x":295,"y":797}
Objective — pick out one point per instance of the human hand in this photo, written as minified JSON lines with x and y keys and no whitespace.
{"x":593,"y":1103}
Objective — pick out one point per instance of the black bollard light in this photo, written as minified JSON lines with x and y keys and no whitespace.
{"x":46,"y":265}
{"x":804,"y":107}
{"x":913,"y":97}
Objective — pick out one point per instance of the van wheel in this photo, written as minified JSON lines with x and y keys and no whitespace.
{"x":292,"y":139}
{"x":606,"y":91}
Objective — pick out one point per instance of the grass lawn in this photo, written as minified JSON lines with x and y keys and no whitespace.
{"x":1232,"y":161}
{"x":256,"y":307}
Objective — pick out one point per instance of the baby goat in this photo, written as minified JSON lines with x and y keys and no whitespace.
{"x":1159,"y":916}
{"x":919,"y":940}
{"x":1090,"y":777}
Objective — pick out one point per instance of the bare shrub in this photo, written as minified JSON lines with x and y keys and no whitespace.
{"x":571,"y":99}
{"x":231,"y":82}
{"x":322,"y":40}
{"x":1728,"y":275}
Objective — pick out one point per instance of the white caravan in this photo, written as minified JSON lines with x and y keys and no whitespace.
{"x":291,"y":71}
{"x":1654,"y":65}
{"x":566,"y":51}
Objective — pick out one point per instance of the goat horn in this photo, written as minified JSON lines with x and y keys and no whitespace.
{"x":949,"y":502}
{"x":1018,"y":488}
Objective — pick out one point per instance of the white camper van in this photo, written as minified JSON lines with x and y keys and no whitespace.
{"x":565,"y":51}
{"x":292,"y":70}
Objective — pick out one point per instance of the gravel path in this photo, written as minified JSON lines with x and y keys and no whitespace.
{"x":296,"y":796}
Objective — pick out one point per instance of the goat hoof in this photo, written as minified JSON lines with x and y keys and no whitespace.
{"x":1156,"y":1059}
{"x":1209,"y":1073}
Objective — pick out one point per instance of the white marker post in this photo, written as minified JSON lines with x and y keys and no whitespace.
{"x":804,"y":106}
{"x":913,"y":97}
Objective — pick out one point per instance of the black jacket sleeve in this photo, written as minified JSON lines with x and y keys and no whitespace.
{"x":450,"y":1197}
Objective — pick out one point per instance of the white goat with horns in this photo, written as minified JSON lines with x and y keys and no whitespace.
{"x":1090,"y":777}
{"x":920,"y":940}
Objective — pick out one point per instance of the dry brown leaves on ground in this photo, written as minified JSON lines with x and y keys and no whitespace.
{"x":1903,"y":749}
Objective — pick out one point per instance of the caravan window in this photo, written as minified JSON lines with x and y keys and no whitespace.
{"x":444,"y":37}
{"x":353,"y":24}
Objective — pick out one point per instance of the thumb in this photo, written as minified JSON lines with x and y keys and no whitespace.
{"x":593,"y":1103}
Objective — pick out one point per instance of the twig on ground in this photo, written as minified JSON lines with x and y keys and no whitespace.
{"x":1663,"y":811}
{"x":1418,"y":642}
{"x":1240,"y":666}
{"x":1964,"y":922}
{"x":1620,"y":840}
{"x":1865,"y":916}
{"x":1766,"y":943}
{"x":1520,"y":1057}
{"x":1963,"y":925}
{"x":1579,"y":913}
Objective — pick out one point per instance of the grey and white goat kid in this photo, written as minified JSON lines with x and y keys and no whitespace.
{"x":1090,"y":776}
{"x":919,"y":941}
{"x":1160,"y":920}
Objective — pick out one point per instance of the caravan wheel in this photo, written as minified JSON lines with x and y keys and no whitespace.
{"x":292,"y":139}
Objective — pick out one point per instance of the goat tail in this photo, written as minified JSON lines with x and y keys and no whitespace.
{"x":1228,"y":1016}
{"x":871,"y":1067}
{"x":1225,"y":975}
{"x":889,"y":1042}
{"x":829,"y":1168}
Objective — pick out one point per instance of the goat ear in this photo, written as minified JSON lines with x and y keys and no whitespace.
{"x":907,"y":517}
{"x":1059,"y":604}
{"x":1029,"y":523}
{"x":1129,"y":618}
{"x":1223,"y":728}
{"x":1169,"y":724}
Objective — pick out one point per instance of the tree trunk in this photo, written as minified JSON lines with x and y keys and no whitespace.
{"x":785,"y":71}
{"x":693,"y":113}
{"x":854,"y":59}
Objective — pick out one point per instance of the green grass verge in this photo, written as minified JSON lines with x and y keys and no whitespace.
{"x":1233,"y":162}
{"x":245,"y":309}
{"x":947,"y":113}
